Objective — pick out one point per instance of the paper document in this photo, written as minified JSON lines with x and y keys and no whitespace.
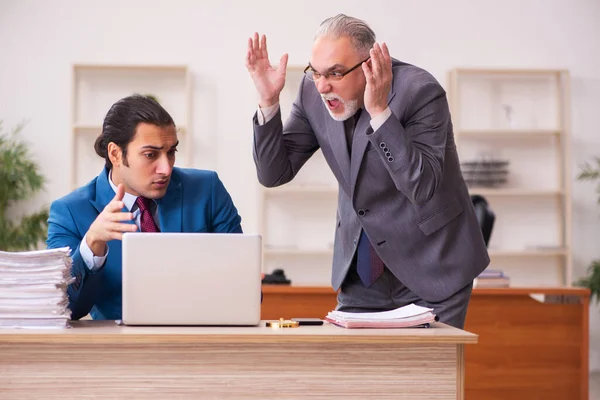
{"x":33,"y":288}
{"x":411,"y":315}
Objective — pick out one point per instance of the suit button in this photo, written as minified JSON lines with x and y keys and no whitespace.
{"x":382,"y":145}
{"x":388,"y":154}
{"x":391,"y":159}
{"x":361,"y":213}
{"x":386,"y":149}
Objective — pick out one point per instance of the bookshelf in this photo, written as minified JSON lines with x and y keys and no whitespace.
{"x":297,"y":220}
{"x":520,"y":116}
{"x":95,"y":87}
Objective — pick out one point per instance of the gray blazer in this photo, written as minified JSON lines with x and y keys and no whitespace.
{"x":402,"y":184}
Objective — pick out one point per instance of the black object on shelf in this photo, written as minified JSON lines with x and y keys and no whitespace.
{"x":277,"y":277}
{"x":485,"y":216}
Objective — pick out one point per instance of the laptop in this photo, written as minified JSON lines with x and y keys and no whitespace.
{"x":191,"y":279}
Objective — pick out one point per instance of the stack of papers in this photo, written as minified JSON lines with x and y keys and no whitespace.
{"x":33,"y":288}
{"x":410,"y":316}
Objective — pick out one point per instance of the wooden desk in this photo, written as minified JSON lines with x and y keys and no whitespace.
{"x":527,"y":349}
{"x":99,"y":358}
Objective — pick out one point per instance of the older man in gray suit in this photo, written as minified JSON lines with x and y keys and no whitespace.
{"x":406,"y":228}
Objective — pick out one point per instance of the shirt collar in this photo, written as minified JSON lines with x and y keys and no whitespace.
{"x":128,"y":199}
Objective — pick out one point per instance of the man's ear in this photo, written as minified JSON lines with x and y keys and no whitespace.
{"x":115,"y":154}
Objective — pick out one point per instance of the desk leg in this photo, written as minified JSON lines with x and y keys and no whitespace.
{"x":460,"y":371}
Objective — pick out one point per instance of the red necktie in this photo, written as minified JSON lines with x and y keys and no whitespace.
{"x":147,"y":223}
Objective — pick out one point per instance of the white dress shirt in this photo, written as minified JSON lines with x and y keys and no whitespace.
{"x":94,"y":262}
{"x":264,"y":115}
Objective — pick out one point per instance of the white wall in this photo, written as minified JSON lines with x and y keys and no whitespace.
{"x":39,"y":41}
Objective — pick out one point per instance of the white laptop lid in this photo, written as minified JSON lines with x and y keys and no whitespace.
{"x":191,"y":278}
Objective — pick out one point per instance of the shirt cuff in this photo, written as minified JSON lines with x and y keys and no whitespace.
{"x":93,"y":262}
{"x":380,"y":119}
{"x":266,"y":114}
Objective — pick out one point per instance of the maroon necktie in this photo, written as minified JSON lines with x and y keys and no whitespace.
{"x":368,"y":264}
{"x":147,"y":223}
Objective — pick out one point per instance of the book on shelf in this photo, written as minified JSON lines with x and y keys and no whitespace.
{"x":491,"y":278}
{"x":410,"y":316}
{"x":33,"y":288}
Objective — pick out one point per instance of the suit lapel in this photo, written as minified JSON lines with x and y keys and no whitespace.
{"x":104,"y":192}
{"x":360,"y":142}
{"x":170,"y":207}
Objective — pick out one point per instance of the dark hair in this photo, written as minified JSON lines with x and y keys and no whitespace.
{"x":122,"y":120}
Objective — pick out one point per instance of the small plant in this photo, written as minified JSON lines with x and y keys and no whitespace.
{"x":592,"y":281}
{"x":590,"y":172}
{"x":20,"y":179}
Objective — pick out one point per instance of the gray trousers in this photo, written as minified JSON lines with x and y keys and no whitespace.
{"x":388,"y":293}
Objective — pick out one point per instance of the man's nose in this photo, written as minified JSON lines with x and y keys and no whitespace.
{"x":323,"y":86}
{"x":164,"y":166}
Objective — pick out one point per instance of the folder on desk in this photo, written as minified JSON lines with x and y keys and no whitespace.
{"x":410,"y":316}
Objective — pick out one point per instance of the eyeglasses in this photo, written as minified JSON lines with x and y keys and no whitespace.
{"x":333,"y":75}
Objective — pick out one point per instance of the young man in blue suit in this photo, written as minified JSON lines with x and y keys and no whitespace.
{"x":139,"y":189}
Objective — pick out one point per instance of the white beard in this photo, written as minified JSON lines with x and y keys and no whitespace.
{"x":350,"y":107}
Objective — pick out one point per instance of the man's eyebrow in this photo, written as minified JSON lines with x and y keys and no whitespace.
{"x":333,"y":67}
{"x":150,"y":147}
{"x":336,"y":66}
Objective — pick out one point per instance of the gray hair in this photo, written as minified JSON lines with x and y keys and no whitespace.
{"x":361,"y":35}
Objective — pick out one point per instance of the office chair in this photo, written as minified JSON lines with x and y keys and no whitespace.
{"x":485,"y":216}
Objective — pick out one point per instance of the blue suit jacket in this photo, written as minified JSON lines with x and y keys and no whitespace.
{"x":196,"y":201}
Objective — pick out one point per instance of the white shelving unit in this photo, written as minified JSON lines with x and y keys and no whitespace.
{"x":297,"y":220}
{"x":522,"y":116}
{"x":96,"y":87}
